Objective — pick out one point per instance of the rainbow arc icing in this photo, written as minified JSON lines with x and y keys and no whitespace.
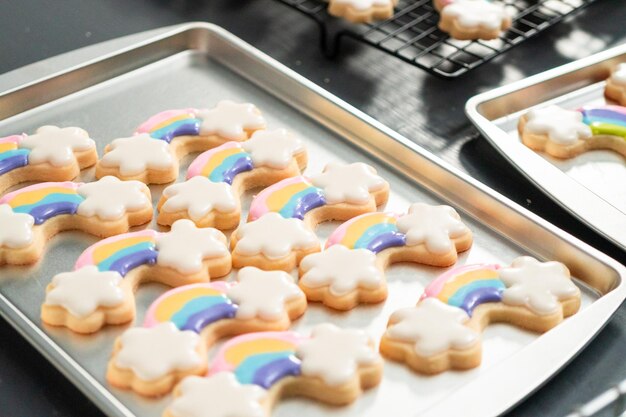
{"x":11,"y":155}
{"x":372,"y":231}
{"x":192,"y":307}
{"x":605,"y":120}
{"x":262,"y":359}
{"x":121,"y":253}
{"x":467,"y":287}
{"x":46,"y":200}
{"x":291,"y":198}
{"x":221,"y":164}
{"x":172,"y":123}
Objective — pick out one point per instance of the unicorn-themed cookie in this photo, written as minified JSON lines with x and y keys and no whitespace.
{"x":359,"y":11}
{"x":443,"y":331}
{"x":616,"y":85}
{"x":30,"y":216}
{"x":50,"y":154}
{"x":251,"y":373}
{"x":100,"y":290}
{"x":216,"y":179}
{"x":350,"y":270}
{"x":563,"y":133}
{"x":340,"y":192}
{"x":473,"y":19}
{"x":258,"y":301}
{"x":152,"y":155}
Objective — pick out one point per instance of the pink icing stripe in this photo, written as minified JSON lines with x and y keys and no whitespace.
{"x":340,"y":232}
{"x":67,"y":184}
{"x":258,"y":207}
{"x":12,"y":139}
{"x":198,"y":164}
{"x":151,"y":321}
{"x":86,"y":257}
{"x":219,"y":363}
{"x":158,"y":118}
{"x":434,"y":288}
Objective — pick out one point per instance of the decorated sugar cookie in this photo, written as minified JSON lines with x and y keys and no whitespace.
{"x":258,"y":301}
{"x":443,"y":331}
{"x":100,"y":290}
{"x":251,"y":373}
{"x":567,"y":133}
{"x":216,"y":179}
{"x":29,"y":217}
{"x":152,"y":154}
{"x":359,"y":11}
{"x":51,"y":154}
{"x":616,"y":85}
{"x":351,"y":269}
{"x":473,"y":19}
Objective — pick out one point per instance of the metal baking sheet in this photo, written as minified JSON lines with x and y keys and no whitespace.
{"x":590,"y":185}
{"x":199,"y":64}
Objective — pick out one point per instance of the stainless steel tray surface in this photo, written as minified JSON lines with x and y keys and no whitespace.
{"x":199,"y":64}
{"x":590,"y":186}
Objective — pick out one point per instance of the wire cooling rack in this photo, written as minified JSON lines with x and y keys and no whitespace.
{"x":611,"y":403}
{"x":411,"y":34}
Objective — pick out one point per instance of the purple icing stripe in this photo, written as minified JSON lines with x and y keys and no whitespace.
{"x":13,"y":162}
{"x":242,"y":164}
{"x":273,"y":372}
{"x":480,"y":296}
{"x":128,"y":263}
{"x":200,"y":320}
{"x":386,"y":240}
{"x":305,"y":204}
{"x":47,"y":211}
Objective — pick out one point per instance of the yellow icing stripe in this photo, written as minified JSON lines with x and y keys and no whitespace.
{"x":280,"y":198}
{"x":356,"y":229}
{"x":32,"y":197}
{"x":103,"y":252}
{"x":238,"y":353}
{"x":8,"y":146}
{"x":452,"y":286}
{"x":217,"y":159}
{"x":170,"y":121}
{"x":172,"y":304}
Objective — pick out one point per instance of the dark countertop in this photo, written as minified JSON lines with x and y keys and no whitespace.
{"x":419,"y":106}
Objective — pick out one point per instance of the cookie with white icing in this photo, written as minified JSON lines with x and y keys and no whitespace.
{"x":563,"y":133}
{"x":443,"y":331}
{"x":473,"y":19}
{"x":332,"y":365}
{"x":258,"y":301}
{"x":30,"y":216}
{"x":50,"y":154}
{"x":272,"y":242}
{"x":218,"y":177}
{"x":360,"y":11}
{"x":615,"y":88}
{"x":340,"y":192}
{"x":100,"y":290}
{"x":152,"y":155}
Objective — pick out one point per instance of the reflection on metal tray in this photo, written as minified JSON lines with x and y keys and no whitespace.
{"x":412,"y":34}
{"x":197,"y":65}
{"x":590,"y":186}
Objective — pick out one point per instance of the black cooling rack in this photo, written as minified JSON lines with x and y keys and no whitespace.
{"x":412,"y":34}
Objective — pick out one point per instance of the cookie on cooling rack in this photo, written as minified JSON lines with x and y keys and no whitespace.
{"x":360,"y":11}
{"x":473,"y":19}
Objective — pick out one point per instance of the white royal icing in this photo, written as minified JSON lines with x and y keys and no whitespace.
{"x":198,"y":196}
{"x":137,"y":154}
{"x":619,"y":74}
{"x":537,"y":285}
{"x":263,"y":294}
{"x":273,"y":148}
{"x":55,"y":145}
{"x":154,"y":352}
{"x":16,"y":229}
{"x":476,"y":13}
{"x":433,"y":327}
{"x":274,"y":236}
{"x":433,"y":226}
{"x":348,"y":183}
{"x":334,"y":354}
{"x":185,"y":246}
{"x":110,"y":198}
{"x":365,"y":4}
{"x":341,"y":269}
{"x":81,"y":292}
{"x":230,"y":120}
{"x":562,"y":126}
{"x":219,"y":395}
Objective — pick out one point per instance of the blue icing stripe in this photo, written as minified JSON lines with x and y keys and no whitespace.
{"x":248,"y":368}
{"x":218,"y":173}
{"x":14,"y":152}
{"x":50,"y":199}
{"x":105,"y":265}
{"x":289,"y":209}
{"x":458,"y":298}
{"x":196,"y":305}
{"x":178,"y":128}
{"x":373,"y":231}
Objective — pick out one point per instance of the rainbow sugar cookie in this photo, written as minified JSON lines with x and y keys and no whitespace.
{"x":443,"y":331}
